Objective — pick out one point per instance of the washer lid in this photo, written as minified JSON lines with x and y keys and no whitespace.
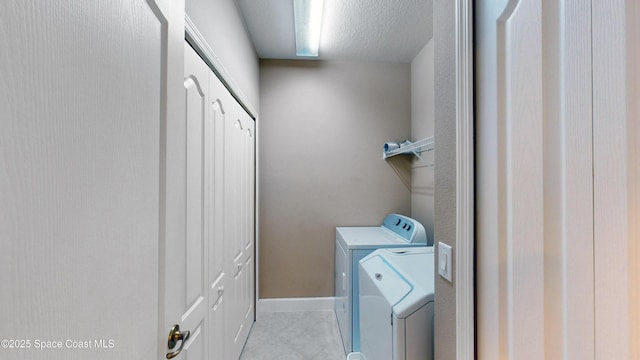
{"x":415,"y":266}
{"x":392,"y":286}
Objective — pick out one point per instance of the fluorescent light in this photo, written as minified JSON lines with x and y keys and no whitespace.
{"x":307,"y":15}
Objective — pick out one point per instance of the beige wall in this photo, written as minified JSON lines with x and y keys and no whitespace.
{"x":445,"y":170}
{"x":422,"y":124}
{"x":322,"y":127}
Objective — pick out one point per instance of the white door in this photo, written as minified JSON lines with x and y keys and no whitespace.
{"x":535,"y":240}
{"x":556,"y":153}
{"x":81,"y":114}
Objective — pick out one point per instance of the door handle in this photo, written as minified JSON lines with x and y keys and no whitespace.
{"x":176,"y":335}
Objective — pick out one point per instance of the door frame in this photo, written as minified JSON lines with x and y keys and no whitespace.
{"x":465,"y":197}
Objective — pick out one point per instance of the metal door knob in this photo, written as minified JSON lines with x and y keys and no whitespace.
{"x":176,"y":335}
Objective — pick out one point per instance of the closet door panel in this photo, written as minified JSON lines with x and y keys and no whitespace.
{"x":248,"y":169}
{"x":218,"y":280}
{"x":196,"y":290}
{"x":233,"y":232}
{"x":232,"y":219}
{"x":520,"y":205}
{"x":568,"y":186}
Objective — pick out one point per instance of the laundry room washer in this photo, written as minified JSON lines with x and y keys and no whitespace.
{"x":397,"y":304}
{"x":353,"y":244}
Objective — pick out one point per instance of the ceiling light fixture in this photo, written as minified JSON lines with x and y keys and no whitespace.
{"x":307,"y":15}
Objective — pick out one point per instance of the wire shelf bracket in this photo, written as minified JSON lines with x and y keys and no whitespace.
{"x":412,"y":148}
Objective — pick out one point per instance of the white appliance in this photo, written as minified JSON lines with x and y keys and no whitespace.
{"x":353,"y":244}
{"x":396,"y":304}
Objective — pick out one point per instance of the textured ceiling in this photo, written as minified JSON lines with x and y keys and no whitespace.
{"x":366,"y":30}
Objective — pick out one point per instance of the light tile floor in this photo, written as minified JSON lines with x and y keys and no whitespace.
{"x":305,"y":335}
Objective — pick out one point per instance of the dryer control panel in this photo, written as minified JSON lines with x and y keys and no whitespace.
{"x":407,"y":228}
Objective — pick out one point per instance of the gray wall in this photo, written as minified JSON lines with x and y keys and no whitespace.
{"x":445,"y":170}
{"x":222,"y":25}
{"x":322,"y":127}
{"x":422,"y":124}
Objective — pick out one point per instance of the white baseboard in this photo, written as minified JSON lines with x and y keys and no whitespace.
{"x":295,"y":304}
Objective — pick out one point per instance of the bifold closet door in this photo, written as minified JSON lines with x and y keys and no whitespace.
{"x":220,"y":204}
